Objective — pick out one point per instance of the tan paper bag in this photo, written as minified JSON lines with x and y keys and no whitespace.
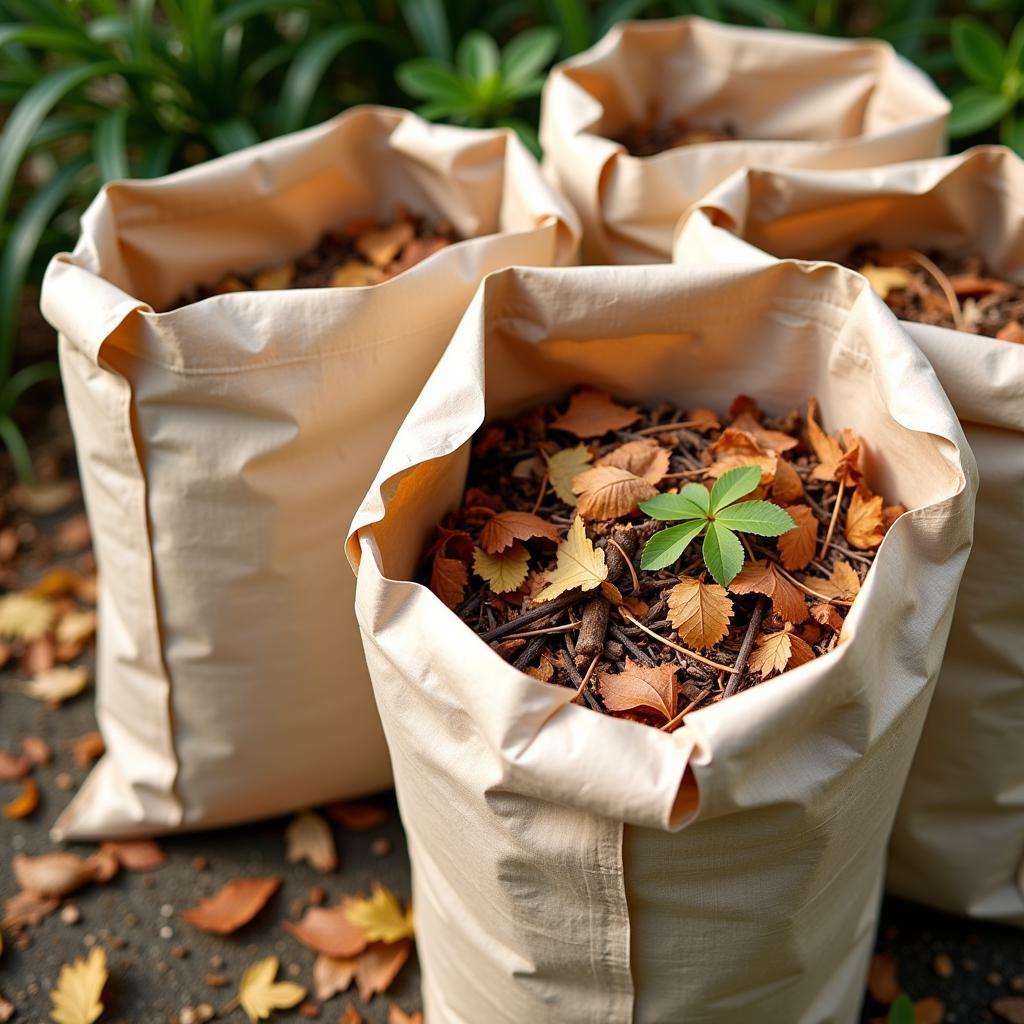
{"x":959,"y":837}
{"x":793,"y":101}
{"x":570,"y":866}
{"x":225,"y":445}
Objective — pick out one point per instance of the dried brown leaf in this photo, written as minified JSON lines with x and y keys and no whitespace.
{"x":762,"y":577}
{"x":378,"y":966}
{"x":448,"y":580}
{"x":699,"y":612}
{"x":27,"y":909}
{"x":37,"y":750}
{"x":607,"y":492}
{"x":416,"y":251}
{"x":796,"y":547}
{"x":929,"y":1010}
{"x":381,"y":245}
{"x":332,"y":975}
{"x":86,"y":749}
{"x":501,"y":531}
{"x":12,"y":768}
{"x":136,"y":854}
{"x":592,"y":413}
{"x":644,"y":458}
{"x":24,"y":803}
{"x":232,"y":905}
{"x":274,"y":278}
{"x":640,"y":686}
{"x":309,"y":838}
{"x":396,"y":1015}
{"x":734,"y":448}
{"x":1010,"y":1008}
{"x":883,"y":978}
{"x":328,"y":930}
{"x":357,"y":815}
{"x":840,"y":462}
{"x":771,"y":440}
{"x":787,"y":487}
{"x":775,"y":652}
{"x":843,"y":583}
{"x":55,"y":875}
{"x":356,"y":274}
{"x":864,"y":526}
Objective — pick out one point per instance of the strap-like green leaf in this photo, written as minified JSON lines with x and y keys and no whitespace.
{"x":668,"y":545}
{"x":723,"y":553}
{"x":527,"y":55}
{"x":979,"y":51}
{"x":428,"y":24}
{"x":733,"y":485}
{"x":477,"y":56}
{"x":758,"y":517}
{"x":975,"y":109}
{"x":109,"y":145}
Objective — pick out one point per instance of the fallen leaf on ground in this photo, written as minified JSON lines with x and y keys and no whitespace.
{"x":7,"y":1010}
{"x":57,"y":685}
{"x":843,"y":583}
{"x":416,"y":251}
{"x":796,"y":547}
{"x":260,"y":995}
{"x":55,"y":875}
{"x":350,"y":1016}
{"x":501,"y":531}
{"x":396,"y":1015}
{"x":381,"y":245}
{"x":607,"y":492}
{"x":25,"y":617}
{"x":592,"y":413}
{"x":37,"y":750}
{"x":13,"y":768}
{"x":328,"y":930}
{"x":777,"y":652}
{"x":826,"y":615}
{"x":699,"y":612}
{"x":772,"y":440}
{"x":835,"y":462}
{"x":578,"y":564}
{"x":787,"y":487}
{"x":27,"y":909}
{"x":883,"y":978}
{"x":736,"y":448}
{"x":929,"y":1010}
{"x":504,"y":572}
{"x":448,"y":580}
{"x":381,"y":917}
{"x":24,"y":803}
{"x":564,"y":466}
{"x":332,"y":975}
{"x":378,"y":966}
{"x":76,"y":627}
{"x":864,"y":528}
{"x":76,"y":997}
{"x":136,"y":854}
{"x":886,"y":279}
{"x":644,"y":458}
{"x":86,"y":749}
{"x":640,"y":686}
{"x":762,"y":577}
{"x":357,"y":815}
{"x":73,"y":534}
{"x":309,"y":838}
{"x":45,"y":498}
{"x":232,"y":905}
{"x":356,"y":274}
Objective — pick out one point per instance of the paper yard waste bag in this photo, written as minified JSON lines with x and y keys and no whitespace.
{"x":958,"y":843}
{"x":571,"y":866}
{"x":789,"y":99}
{"x":224,"y":446}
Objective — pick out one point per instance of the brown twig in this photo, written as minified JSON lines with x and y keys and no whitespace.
{"x":944,"y":284}
{"x":671,"y":724}
{"x":586,"y":678}
{"x":811,"y":593}
{"x":628,"y":563}
{"x":832,"y":522}
{"x":662,"y":427}
{"x":541,"y":493}
{"x":540,"y":612}
{"x":753,"y":628}
{"x":676,"y":647}
{"x":546,"y":631}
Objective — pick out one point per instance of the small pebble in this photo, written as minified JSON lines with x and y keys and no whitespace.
{"x":200,"y":863}
{"x":89,"y":940}
{"x":294,"y":970}
{"x":179,"y":952}
{"x":167,"y":932}
{"x":381,"y":846}
{"x":70,"y":914}
{"x":116,"y":942}
{"x":167,"y":910}
{"x":162,"y":967}
{"x":64,"y":782}
{"x":943,"y":965}
{"x":131,"y":920}
{"x":216,"y":961}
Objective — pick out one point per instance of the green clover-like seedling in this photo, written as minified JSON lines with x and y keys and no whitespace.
{"x":719,"y":515}
{"x":902,"y":1010}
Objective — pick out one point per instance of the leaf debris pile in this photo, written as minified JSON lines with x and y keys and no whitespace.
{"x":655,"y":135}
{"x":943,"y":290}
{"x":546,"y":558}
{"x":364,"y":252}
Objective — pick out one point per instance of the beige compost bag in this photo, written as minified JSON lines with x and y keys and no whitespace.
{"x":959,"y":837}
{"x":225,"y":445}
{"x":570,"y":866}
{"x":792,"y":100}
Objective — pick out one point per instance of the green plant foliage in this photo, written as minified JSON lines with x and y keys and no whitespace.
{"x":719,"y":515}
{"x":901,"y":1011}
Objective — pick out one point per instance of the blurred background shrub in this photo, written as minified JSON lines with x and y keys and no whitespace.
{"x":94,"y":90}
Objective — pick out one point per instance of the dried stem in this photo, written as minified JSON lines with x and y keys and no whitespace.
{"x":540,"y":493}
{"x":676,"y":647}
{"x":832,"y":522}
{"x":753,"y":628}
{"x":812,"y":593}
{"x":671,"y":725}
{"x":587,"y":675}
{"x":660,"y":428}
{"x":628,"y":561}
{"x":540,"y":612}
{"x":944,"y":283}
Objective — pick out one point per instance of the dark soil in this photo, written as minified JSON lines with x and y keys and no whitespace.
{"x":655,"y":137}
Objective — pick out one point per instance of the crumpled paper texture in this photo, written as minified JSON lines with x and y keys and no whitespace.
{"x":568,"y":865}
{"x":793,"y":100}
{"x":958,"y":843}
{"x":224,"y":446}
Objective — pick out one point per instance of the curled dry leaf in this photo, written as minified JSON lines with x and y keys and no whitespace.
{"x":578,"y":564}
{"x":563,"y":468}
{"x":776,"y":652}
{"x":350,"y":1016}
{"x":501,"y":531}
{"x":787,"y":487}
{"x":417,"y":250}
{"x":37,"y":750}
{"x":843,"y":583}
{"x":504,"y":572}
{"x":136,"y":854}
{"x":770,"y":440}
{"x":642,"y":458}
{"x":592,"y":413}
{"x":25,"y":616}
{"x":55,"y":875}
{"x":357,"y":815}
{"x":839,"y":462}
{"x":396,"y":1015}
{"x":883,"y":978}
{"x":332,"y":975}
{"x":232,"y":905}
{"x":381,"y":917}
{"x":762,"y":577}
{"x":826,"y":615}
{"x":73,"y":535}
{"x":607,"y":492}
{"x":260,"y":995}
{"x":76,"y":998}
{"x":13,"y":768}
{"x":381,"y":245}
{"x":58,"y":685}
{"x":699,"y":612}
{"x":864,"y":520}
{"x":24,"y":803}
{"x":448,"y":580}
{"x":797,"y":547}
{"x":640,"y":686}
{"x":76,"y":627}
{"x":27,"y":909}
{"x":704,"y":420}
{"x":309,"y":838}
{"x":86,"y":749}
{"x":736,"y":448}
{"x":378,"y":966}
{"x":356,"y":274}
{"x":7,"y":1010}
{"x":328,"y":930}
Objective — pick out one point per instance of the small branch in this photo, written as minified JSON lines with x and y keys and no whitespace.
{"x":944,"y":283}
{"x":812,"y":593}
{"x":832,"y":522}
{"x":540,"y":612}
{"x":628,"y":561}
{"x":587,"y":675}
{"x":703,"y":471}
{"x":540,"y":495}
{"x":671,"y":725}
{"x":662,"y":427}
{"x":753,"y":628}
{"x":676,"y":647}
{"x":528,"y":653}
{"x":527,"y":633}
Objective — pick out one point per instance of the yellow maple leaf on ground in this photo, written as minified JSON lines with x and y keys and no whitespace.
{"x":381,"y":916}
{"x":76,"y":999}
{"x":503,"y":572}
{"x":25,"y":616}
{"x":259,"y":995}
{"x":579,"y":564}
{"x":58,"y":684}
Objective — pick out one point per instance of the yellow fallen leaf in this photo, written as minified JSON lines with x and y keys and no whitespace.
{"x":886,"y":279}
{"x":75,"y":627}
{"x":843,"y":583}
{"x":274,"y":278}
{"x":381,"y":916}
{"x":564,"y":466}
{"x":259,"y":995}
{"x":864,"y":527}
{"x":56,"y":685}
{"x":699,"y":612}
{"x":356,"y":274}
{"x":579,"y":564}
{"x":503,"y":572}
{"x":25,"y":617}
{"x":76,"y":999}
